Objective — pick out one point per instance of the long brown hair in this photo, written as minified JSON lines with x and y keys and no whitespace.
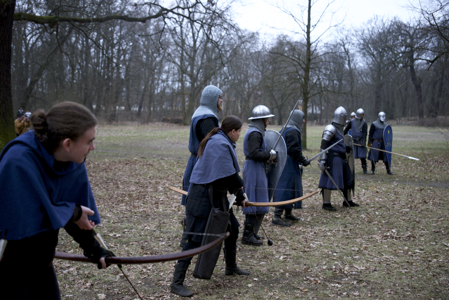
{"x":64,"y":120}
{"x":229,"y":123}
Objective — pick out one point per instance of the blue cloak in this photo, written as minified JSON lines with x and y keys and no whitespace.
{"x":194,"y":143}
{"x":359,"y":152}
{"x":219,"y":160}
{"x":290,"y":183}
{"x":255,"y":178}
{"x":378,"y":142}
{"x":35,"y":196}
{"x":337,"y":166}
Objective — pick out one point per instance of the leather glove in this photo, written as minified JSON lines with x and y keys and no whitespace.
{"x":95,"y":258}
{"x":322,"y":165}
{"x":305,"y":163}
{"x":369,"y":144}
{"x":273,"y":155}
{"x":348,"y":149}
{"x":240,"y":197}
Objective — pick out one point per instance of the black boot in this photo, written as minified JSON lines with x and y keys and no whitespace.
{"x":351,"y":203}
{"x":230,"y":253}
{"x":364,"y":169}
{"x":290,"y":216}
{"x":373,"y":168}
{"x":277,"y":220}
{"x":329,"y":207}
{"x":248,"y":236}
{"x":388,"y":169}
{"x":257,"y":226}
{"x":177,"y":286}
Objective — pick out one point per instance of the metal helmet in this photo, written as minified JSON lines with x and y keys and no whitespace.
{"x":261,"y":112}
{"x":340,"y":115}
{"x":360,"y":113}
{"x":353,"y":114}
{"x":382,"y":116}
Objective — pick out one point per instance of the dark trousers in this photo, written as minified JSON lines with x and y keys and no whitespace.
{"x":26,"y":270}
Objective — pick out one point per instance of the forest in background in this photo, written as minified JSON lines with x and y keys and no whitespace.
{"x":129,"y":70}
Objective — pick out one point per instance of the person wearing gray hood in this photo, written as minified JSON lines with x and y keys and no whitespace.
{"x":290,"y":182}
{"x":256,"y":182}
{"x":204,"y":119}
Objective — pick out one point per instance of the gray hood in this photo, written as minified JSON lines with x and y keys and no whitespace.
{"x":208,"y":102}
{"x":258,"y":124}
{"x":296,"y":120}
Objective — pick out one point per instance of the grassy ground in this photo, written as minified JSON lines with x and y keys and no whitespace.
{"x":395,"y":245}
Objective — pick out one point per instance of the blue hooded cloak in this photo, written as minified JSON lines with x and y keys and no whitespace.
{"x":219,"y":160}
{"x":36,"y":197}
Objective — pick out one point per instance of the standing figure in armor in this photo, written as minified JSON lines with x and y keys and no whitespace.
{"x":353,"y":116}
{"x":359,"y":130}
{"x":254,"y":173}
{"x":334,"y":161}
{"x":215,"y":173}
{"x":290,"y":182}
{"x":204,"y":119}
{"x":376,"y":140}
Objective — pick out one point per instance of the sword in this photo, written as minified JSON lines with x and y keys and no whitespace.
{"x":414,"y":158}
{"x":283,"y":128}
{"x":341,"y":193}
{"x":330,"y":147}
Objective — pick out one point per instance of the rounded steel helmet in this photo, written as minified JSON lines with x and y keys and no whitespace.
{"x":382,"y":116}
{"x":360,"y":113}
{"x":340,"y":115}
{"x":352,"y":114}
{"x":261,"y":112}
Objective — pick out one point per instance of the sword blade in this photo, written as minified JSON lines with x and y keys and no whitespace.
{"x":328,"y":148}
{"x":283,"y":128}
{"x":414,"y":158}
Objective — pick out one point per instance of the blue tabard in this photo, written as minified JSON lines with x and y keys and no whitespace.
{"x":378,"y":142}
{"x":193,"y":148}
{"x":359,"y":152}
{"x":337,"y":166}
{"x":36,"y":197}
{"x":255,"y":178}
{"x":290,"y":183}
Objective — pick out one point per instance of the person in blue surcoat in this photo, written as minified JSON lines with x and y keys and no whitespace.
{"x":254,"y":175}
{"x":215,"y":173}
{"x":44,"y":188}
{"x":359,"y":130}
{"x":204,"y":119}
{"x":376,"y":140}
{"x":290,"y":182}
{"x":334,"y":161}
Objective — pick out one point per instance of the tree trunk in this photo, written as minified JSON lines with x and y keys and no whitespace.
{"x":7,"y":131}
{"x":416,"y":80}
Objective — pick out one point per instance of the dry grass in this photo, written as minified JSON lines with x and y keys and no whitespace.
{"x":395,"y":245}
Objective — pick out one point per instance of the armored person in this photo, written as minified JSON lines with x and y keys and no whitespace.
{"x":204,"y":119}
{"x":335,"y":163}
{"x":359,"y":130}
{"x":254,"y":175}
{"x":376,"y":140}
{"x":290,"y":182}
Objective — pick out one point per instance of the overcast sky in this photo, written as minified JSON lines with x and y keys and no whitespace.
{"x":259,"y":15}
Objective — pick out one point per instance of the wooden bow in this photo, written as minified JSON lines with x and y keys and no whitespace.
{"x":261,"y":204}
{"x":146,"y":259}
